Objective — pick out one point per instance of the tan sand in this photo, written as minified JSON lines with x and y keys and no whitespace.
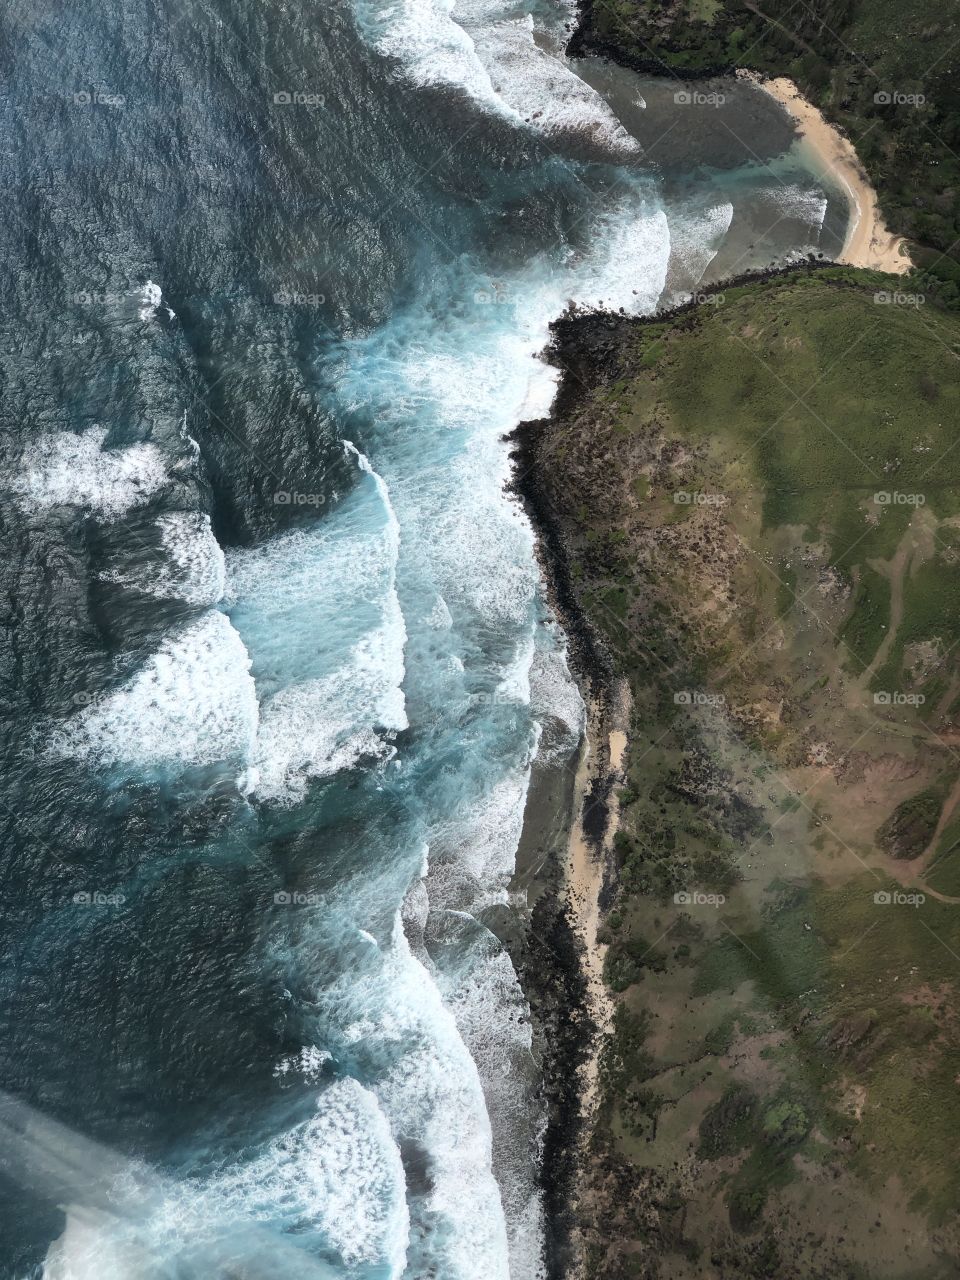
{"x":868,"y":242}
{"x":584,"y":880}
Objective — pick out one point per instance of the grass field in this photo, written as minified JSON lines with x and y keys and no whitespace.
{"x":762,"y":502}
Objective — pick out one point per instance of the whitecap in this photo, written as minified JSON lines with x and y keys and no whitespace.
{"x":696,"y":234}
{"x":192,"y":703}
{"x":481,"y":48}
{"x":803,"y":203}
{"x":430,"y":1092}
{"x":319,"y":611}
{"x":151,"y":298}
{"x":193,"y":567}
{"x":65,"y":469}
{"x":338,"y":1174}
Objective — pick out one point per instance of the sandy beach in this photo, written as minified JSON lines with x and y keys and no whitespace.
{"x":868,"y":243}
{"x":586,"y":870}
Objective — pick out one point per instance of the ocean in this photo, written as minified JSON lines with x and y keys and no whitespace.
{"x":277,"y":662}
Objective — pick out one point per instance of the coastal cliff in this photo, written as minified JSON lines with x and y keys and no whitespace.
{"x":748,"y":512}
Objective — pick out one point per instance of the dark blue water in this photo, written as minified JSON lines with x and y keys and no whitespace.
{"x":275,"y":660}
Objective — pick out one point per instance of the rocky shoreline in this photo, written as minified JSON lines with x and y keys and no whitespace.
{"x":587,"y":348}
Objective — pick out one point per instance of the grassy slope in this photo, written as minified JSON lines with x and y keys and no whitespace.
{"x":800,"y":1044}
{"x":842,"y":53}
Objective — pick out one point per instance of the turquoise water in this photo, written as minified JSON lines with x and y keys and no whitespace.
{"x":282,"y":664}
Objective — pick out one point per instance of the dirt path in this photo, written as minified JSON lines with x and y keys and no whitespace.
{"x":894,"y":571}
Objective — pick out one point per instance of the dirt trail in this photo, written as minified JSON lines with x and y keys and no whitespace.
{"x":895,"y":571}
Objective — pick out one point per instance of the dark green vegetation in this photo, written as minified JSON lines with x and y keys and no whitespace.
{"x":844,"y":55}
{"x":777,"y":578}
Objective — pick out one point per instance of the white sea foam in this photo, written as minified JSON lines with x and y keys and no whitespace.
{"x":431,"y":1094}
{"x":431,"y":47}
{"x":627,"y":263}
{"x":86,"y":1251}
{"x":696,"y":234}
{"x":335,"y":1179}
{"x":315,"y":728}
{"x":475,"y":847}
{"x":64,"y":469}
{"x":537,"y":82}
{"x":338,"y":1173}
{"x":554,"y":697}
{"x":482,"y":48}
{"x":474,"y":371}
{"x":514,"y":685}
{"x":320,"y":612}
{"x":482,"y":991}
{"x":803,"y":203}
{"x":193,"y":568}
{"x":151,"y":299}
{"x":192,"y":703}
{"x":308,"y":1064}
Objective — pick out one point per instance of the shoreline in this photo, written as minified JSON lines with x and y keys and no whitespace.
{"x":869,"y":243}
{"x":620,"y":1203}
{"x":590,"y":869}
{"x":571,"y":1008}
